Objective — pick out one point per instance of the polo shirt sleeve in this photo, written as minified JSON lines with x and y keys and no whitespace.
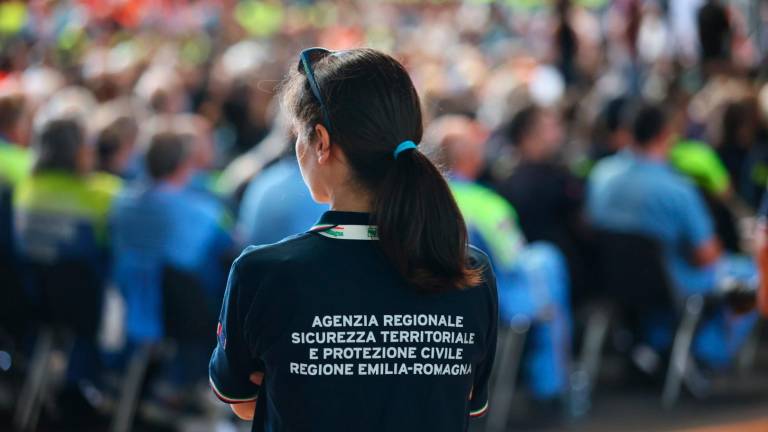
{"x":695,"y":220}
{"x":231,"y":362}
{"x":478,"y":402}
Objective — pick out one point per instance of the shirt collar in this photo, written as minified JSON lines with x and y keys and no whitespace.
{"x":346,"y":226}
{"x":644,"y":160}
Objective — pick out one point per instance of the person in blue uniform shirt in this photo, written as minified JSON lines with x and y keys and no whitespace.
{"x":160,"y":223}
{"x":637,"y":191}
{"x":381,"y":317}
{"x":277,"y":204}
{"x":532,"y":278}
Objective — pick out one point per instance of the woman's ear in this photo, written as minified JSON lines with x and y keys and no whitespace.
{"x":323,"y":149}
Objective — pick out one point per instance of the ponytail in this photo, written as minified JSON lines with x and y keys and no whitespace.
{"x":372,"y":106}
{"x":421,"y":230}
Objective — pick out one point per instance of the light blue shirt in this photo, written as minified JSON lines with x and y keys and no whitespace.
{"x":631,"y":193}
{"x":158,"y":225}
{"x":277,"y":204}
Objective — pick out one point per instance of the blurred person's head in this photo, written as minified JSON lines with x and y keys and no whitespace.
{"x":69,"y":102}
{"x":109,"y":71}
{"x":115,"y":144}
{"x":357,"y":117}
{"x":243,"y":79}
{"x":197,"y":130}
{"x":161,"y":89}
{"x":457,"y":143}
{"x":11,"y":110}
{"x":616,"y":118}
{"x":116,"y":126}
{"x":739,"y":125}
{"x":169,"y":158}
{"x":40,"y":82}
{"x":61,"y":146}
{"x":652,"y":131}
{"x":537,"y":133}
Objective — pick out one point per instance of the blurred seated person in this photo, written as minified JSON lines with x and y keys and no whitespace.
{"x":546,"y":196}
{"x":64,"y":193}
{"x":542,"y":191}
{"x":700,"y":163}
{"x":61,"y":229}
{"x":740,"y":148}
{"x":532,"y":278}
{"x":160,"y":223}
{"x":636,"y":191}
{"x":276,"y":203}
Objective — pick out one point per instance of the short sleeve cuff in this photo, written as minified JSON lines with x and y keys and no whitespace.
{"x":227,"y":398}
{"x":228,"y":386}
{"x":478,"y":404}
{"x":478,"y":410}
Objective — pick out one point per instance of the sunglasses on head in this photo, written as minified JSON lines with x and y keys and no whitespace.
{"x":307,"y":58}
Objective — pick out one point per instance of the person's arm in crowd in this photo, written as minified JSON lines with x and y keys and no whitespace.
{"x":697,"y":228}
{"x":761,"y":249}
{"x":707,"y":253}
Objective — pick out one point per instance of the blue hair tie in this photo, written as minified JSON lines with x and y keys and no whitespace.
{"x":403,"y":146}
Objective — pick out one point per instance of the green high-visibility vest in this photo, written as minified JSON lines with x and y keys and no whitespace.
{"x":87,"y":198}
{"x":700,"y":162}
{"x":493,"y":218}
{"x":15,"y":163}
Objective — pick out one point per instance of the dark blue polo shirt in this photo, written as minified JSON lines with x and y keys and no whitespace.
{"x":345,"y":343}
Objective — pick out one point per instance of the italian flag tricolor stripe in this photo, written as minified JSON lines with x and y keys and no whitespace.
{"x":227,"y":399}
{"x":347,"y":232}
{"x":479,"y":412}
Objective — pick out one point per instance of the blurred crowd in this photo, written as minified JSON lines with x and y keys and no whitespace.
{"x":142,"y":147}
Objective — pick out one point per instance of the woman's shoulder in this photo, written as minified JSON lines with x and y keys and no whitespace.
{"x":290,"y":250}
{"x":478,"y":259}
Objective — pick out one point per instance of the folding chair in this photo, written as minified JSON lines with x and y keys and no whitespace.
{"x":632,"y":271}
{"x":187,"y":316}
{"x":14,"y":314}
{"x":68,"y":304}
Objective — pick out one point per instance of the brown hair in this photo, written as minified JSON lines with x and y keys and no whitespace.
{"x":372,"y":107}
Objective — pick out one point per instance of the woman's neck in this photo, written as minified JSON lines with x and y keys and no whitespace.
{"x":351,"y":200}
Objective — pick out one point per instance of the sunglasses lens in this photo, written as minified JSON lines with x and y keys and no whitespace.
{"x":316,"y":54}
{"x":312,"y":56}
{"x":307,"y":59}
